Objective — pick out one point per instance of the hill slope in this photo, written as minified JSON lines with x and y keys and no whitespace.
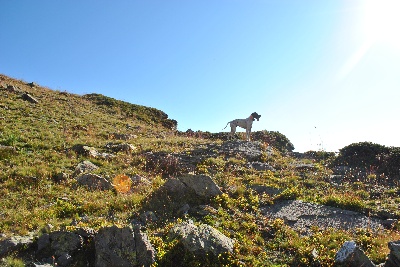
{"x":50,"y":141}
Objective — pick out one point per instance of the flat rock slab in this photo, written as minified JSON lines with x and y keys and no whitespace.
{"x":303,"y":215}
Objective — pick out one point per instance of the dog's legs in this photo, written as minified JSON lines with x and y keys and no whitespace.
{"x":233,"y":131}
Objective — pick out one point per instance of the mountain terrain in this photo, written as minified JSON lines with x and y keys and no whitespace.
{"x":88,"y":180}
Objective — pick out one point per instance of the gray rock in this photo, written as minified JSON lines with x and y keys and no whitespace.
{"x":394,"y":256}
{"x":94,"y":182}
{"x":121,"y":147}
{"x":145,"y":253}
{"x":350,"y":255}
{"x":302,"y":216}
{"x":260,"y":166}
{"x":14,"y":243}
{"x":60,"y":177}
{"x":65,"y":242}
{"x":29,"y":98}
{"x":85,"y":166}
{"x":202,"y":185}
{"x":115,"y":247}
{"x":250,"y":150}
{"x":201,"y":239}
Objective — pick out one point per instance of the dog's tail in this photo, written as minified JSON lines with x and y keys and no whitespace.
{"x":226,"y":125}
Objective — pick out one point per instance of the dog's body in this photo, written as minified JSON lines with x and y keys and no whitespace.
{"x":243,"y":123}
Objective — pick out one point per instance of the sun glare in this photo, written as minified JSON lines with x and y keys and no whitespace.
{"x":382,"y":21}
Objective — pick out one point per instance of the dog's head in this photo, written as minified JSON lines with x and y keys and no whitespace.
{"x":255,"y":116}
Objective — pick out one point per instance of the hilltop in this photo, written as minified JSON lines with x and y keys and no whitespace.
{"x":91,"y":180}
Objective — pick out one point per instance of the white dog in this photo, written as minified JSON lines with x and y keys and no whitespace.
{"x":243,"y":123}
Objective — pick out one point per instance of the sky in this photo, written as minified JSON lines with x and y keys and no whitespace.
{"x":325,"y":74}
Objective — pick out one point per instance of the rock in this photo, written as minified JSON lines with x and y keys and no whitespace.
{"x":350,"y":255}
{"x":302,"y":216}
{"x":394,"y":256}
{"x":121,"y":147}
{"x":29,"y":98}
{"x":259,"y":166}
{"x":13,"y":89}
{"x":60,"y":177}
{"x":15,"y":243}
{"x":84,"y":166}
{"x":32,"y":84}
{"x":91,"y":152}
{"x":145,"y":253}
{"x":183,"y":210}
{"x":389,"y":223}
{"x":61,"y":245}
{"x":201,"y":239}
{"x":94,"y":182}
{"x":202,"y":185}
{"x":250,"y":150}
{"x":115,"y":247}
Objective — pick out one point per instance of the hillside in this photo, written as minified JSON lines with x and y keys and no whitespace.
{"x":90,"y":181}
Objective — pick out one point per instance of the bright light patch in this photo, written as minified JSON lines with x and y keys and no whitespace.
{"x":122,"y":183}
{"x":382,"y":21}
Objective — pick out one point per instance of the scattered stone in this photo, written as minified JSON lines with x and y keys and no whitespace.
{"x":84,"y":166}
{"x":350,"y":255}
{"x":115,"y":247}
{"x":201,"y":239}
{"x":32,"y":84}
{"x":60,"y":177}
{"x":29,"y":98}
{"x":91,"y":152}
{"x":259,"y":166}
{"x":121,"y":147}
{"x":94,"y":182}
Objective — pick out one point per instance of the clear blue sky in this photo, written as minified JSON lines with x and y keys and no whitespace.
{"x":324,"y":73}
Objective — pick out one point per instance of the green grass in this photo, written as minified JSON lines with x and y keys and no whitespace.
{"x":44,"y":134}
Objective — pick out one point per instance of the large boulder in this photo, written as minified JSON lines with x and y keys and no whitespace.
{"x":202,"y":185}
{"x":115,"y":247}
{"x":123,"y":247}
{"x":202,"y":239}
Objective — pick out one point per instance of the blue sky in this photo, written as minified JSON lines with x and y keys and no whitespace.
{"x":324,"y":73}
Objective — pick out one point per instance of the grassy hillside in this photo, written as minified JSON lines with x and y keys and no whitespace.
{"x":40,"y":150}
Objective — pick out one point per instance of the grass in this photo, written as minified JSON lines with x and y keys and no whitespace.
{"x":44,"y":134}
